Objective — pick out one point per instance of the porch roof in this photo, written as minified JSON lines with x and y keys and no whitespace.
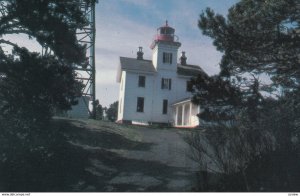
{"x":185,"y":100}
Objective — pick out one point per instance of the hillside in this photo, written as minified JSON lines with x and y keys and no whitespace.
{"x":112,"y":157}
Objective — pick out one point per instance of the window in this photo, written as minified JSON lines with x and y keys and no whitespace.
{"x":140,"y":104}
{"x":166,"y":83}
{"x":188,"y":86}
{"x":142,"y":81}
{"x":165,"y":106}
{"x":167,"y":57}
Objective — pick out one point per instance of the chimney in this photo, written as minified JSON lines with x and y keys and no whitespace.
{"x":183,"y":58}
{"x":140,"y":53}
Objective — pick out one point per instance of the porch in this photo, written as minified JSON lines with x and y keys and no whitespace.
{"x":185,"y":114}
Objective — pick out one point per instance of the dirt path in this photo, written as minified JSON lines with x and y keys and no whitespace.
{"x":131,"y":158}
{"x":169,"y":149}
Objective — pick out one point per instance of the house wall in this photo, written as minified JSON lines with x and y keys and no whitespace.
{"x":181,"y":91}
{"x":121,"y":96}
{"x":133,"y":91}
{"x":157,"y":57}
{"x":153,"y":96}
{"x":160,"y":95}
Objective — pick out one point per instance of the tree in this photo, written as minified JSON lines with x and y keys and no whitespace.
{"x":258,"y":37}
{"x":112,"y":111}
{"x":52,"y":23}
{"x":46,"y":80}
{"x":99,"y":110}
{"x":32,"y":85}
{"x":267,"y":44}
{"x":247,"y":130}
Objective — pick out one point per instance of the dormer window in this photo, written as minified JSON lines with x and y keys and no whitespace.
{"x":167,"y":58}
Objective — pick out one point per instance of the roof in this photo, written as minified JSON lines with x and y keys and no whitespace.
{"x":135,"y":64}
{"x":189,"y":70}
{"x":185,"y":100}
{"x":146,"y":66}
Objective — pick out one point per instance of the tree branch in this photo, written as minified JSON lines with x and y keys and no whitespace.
{"x":2,"y":41}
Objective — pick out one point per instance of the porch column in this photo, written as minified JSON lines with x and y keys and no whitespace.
{"x":176,"y":116}
{"x":183,"y":110}
{"x":190,"y":119}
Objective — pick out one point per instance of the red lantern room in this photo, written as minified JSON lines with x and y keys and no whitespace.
{"x":164,"y":34}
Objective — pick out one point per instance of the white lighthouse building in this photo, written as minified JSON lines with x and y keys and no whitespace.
{"x":155,"y":91}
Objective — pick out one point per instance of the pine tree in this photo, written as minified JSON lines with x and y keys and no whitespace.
{"x":112,"y":111}
{"x":258,"y":37}
{"x":33,"y":83}
{"x":250,"y":135}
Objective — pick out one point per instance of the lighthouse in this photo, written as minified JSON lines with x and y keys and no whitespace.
{"x":155,"y":91}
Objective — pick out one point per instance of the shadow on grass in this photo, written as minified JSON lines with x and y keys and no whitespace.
{"x":45,"y":161}
{"x":53,"y":164}
{"x":113,"y":166}
{"x":102,"y":138}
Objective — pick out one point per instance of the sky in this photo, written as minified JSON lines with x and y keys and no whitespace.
{"x":124,"y":25}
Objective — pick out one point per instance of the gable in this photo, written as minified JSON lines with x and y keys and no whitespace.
{"x":133,"y":64}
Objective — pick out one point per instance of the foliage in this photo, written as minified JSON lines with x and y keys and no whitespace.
{"x":112,"y":111}
{"x":257,"y":37}
{"x":252,"y":154}
{"x":33,"y":85}
{"x":243,"y":129}
{"x":52,"y":23}
{"x":99,"y":110}
{"x":221,"y":96}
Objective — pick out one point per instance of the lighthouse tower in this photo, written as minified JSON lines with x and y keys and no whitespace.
{"x":165,"y":48}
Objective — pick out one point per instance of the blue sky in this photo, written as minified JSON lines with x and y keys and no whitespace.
{"x":124,"y":25}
